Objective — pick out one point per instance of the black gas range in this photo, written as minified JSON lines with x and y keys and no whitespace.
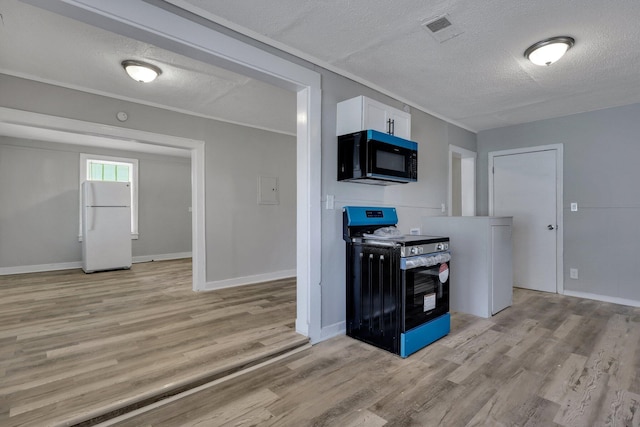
{"x":397,"y":285}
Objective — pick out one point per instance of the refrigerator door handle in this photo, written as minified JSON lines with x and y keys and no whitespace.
{"x":92,"y":218}
{"x":92,"y":199}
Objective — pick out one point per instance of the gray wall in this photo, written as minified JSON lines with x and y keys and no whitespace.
{"x":461,"y":137}
{"x":245,"y":238}
{"x":601,"y":174}
{"x":237,"y":227}
{"x":39,"y":197}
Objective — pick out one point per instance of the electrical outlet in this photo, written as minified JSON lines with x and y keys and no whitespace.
{"x":573,"y":273}
{"x":330,"y":201}
{"x":443,"y":208}
{"x":574,"y":207}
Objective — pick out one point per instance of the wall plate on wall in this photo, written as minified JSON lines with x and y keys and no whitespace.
{"x":268,"y":190}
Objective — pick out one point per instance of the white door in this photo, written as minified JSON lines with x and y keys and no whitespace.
{"x":524,"y":187}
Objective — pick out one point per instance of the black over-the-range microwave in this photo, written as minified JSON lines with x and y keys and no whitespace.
{"x":373,"y":157}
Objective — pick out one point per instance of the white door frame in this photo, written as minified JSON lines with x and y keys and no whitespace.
{"x":176,"y":32}
{"x":559,"y":148}
{"x":468,"y":164}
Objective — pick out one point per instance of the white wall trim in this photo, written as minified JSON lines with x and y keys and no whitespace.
{"x":39,"y":268}
{"x":334,"y":330}
{"x":112,"y":95}
{"x":603,"y":298}
{"x":30,"y":125}
{"x":24,"y":121}
{"x":249,"y":280}
{"x":559,"y":148}
{"x":161,"y":257}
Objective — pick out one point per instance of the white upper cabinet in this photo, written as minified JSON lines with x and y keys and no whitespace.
{"x":361,"y":113}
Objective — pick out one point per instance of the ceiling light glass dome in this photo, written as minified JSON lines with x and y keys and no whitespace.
{"x":141,"y":71}
{"x":548,"y":51}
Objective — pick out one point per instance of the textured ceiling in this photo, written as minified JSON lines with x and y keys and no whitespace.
{"x":478,"y":79}
{"x":44,"y":46}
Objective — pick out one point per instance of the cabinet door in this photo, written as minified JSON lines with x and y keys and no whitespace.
{"x":378,"y":115}
{"x":375,"y":116}
{"x":401,"y":123}
{"x":362,"y":113}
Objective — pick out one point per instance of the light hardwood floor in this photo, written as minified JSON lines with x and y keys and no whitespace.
{"x":549,"y":360}
{"x":74,"y":346}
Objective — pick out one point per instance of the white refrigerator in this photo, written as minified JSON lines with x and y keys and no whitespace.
{"x":106,"y":226}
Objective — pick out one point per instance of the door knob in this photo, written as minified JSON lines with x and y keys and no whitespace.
{"x":550,"y":227}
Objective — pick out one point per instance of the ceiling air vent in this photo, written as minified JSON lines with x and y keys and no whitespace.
{"x":441,"y":28}
{"x":438,"y":24}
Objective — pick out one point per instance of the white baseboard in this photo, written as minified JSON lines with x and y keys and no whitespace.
{"x":248,"y":280}
{"x":21,"y":269}
{"x":334,"y":330}
{"x":38,"y":268}
{"x":161,"y":257}
{"x":604,"y":298}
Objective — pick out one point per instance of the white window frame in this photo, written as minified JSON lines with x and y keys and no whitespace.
{"x":84,"y":159}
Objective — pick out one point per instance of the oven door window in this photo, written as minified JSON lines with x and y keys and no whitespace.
{"x":426,"y":295}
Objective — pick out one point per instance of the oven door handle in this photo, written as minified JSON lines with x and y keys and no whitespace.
{"x":424,"y":260}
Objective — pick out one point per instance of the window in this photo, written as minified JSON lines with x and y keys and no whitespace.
{"x":102,"y":170}
{"x":105,"y":168}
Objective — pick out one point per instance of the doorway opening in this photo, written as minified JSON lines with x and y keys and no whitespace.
{"x":25,"y":124}
{"x":180,"y":31}
{"x":462,"y":181}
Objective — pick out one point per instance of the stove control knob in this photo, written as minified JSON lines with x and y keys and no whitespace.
{"x":439,"y":247}
{"x":421,"y":250}
{"x":414,"y":251}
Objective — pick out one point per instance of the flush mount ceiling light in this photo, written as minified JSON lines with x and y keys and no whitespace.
{"x":141,"y":71}
{"x":548,"y":51}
